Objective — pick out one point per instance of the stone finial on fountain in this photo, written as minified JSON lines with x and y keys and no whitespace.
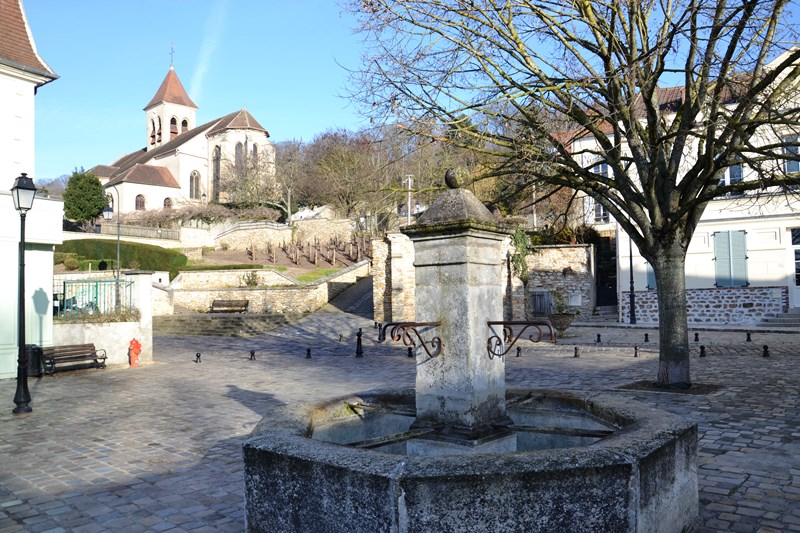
{"x":455,"y":207}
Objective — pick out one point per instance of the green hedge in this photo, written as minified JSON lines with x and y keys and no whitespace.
{"x":58,"y":257}
{"x":131,"y":254}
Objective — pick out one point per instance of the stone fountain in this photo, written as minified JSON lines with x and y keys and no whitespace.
{"x":460,"y":452}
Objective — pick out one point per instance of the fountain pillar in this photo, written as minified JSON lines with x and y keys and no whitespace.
{"x":458,"y":269}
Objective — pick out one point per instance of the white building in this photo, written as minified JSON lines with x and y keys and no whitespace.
{"x":183,"y":163}
{"x":22,"y":72}
{"x":743,"y":262}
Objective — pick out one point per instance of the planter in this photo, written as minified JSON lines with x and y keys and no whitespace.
{"x":561,"y":321}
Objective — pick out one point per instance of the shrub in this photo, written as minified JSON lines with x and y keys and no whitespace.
{"x":71,"y":263}
{"x":144,"y":256}
{"x":59,"y":257}
{"x":250,"y":279}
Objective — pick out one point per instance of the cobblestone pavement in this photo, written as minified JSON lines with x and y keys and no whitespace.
{"x":159,"y":448}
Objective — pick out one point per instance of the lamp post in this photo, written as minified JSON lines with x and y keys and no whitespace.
{"x":108,"y":212}
{"x":633,"y":296}
{"x":23,"y":192}
{"x":410,"y":179}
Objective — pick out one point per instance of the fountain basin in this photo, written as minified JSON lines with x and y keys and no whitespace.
{"x":301,"y":475}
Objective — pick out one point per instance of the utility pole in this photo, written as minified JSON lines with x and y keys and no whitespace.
{"x":410,"y":179}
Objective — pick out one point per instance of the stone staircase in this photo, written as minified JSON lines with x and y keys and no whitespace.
{"x":219,"y":325}
{"x":602,"y":315}
{"x":784,"y":320}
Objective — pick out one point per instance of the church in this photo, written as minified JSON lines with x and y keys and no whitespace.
{"x":183,"y":163}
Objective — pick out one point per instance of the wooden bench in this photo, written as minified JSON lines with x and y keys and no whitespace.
{"x":229,"y":306}
{"x":70,"y":354}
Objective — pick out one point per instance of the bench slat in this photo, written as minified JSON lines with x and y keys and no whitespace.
{"x":73,"y":353}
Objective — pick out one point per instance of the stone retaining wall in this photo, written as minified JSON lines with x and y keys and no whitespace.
{"x":567,"y":269}
{"x":295,"y":299}
{"x":220,"y":279}
{"x":739,"y":305}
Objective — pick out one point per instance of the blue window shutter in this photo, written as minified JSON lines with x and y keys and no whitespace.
{"x":651,"y":278}
{"x":738,"y":259}
{"x":722,"y":259}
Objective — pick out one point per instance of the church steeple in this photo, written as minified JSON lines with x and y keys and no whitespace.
{"x":170,"y":112}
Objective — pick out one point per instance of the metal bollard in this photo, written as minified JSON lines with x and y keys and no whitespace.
{"x":748,"y":339}
{"x":359,"y":348}
{"x":598,"y":341}
{"x":696,"y":337}
{"x":197,"y":358}
{"x":341,"y":337}
{"x":577,"y":352}
{"x":410,"y":352}
{"x":252,"y":355}
{"x":766,"y":351}
{"x":646,"y":337}
{"x":702,"y":351}
{"x":375,"y":326}
{"x":519,"y":351}
{"x":308,"y":353}
{"x":635,"y":351}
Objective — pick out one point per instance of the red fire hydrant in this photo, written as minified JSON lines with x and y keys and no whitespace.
{"x":134,"y":349}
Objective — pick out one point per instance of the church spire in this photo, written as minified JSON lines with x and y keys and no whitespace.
{"x":170,"y":112}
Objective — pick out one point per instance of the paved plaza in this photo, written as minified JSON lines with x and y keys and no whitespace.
{"x":158,"y":448}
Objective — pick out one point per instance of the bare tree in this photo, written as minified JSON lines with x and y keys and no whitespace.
{"x":249,"y":181}
{"x":539,"y":80}
{"x":290,"y":166}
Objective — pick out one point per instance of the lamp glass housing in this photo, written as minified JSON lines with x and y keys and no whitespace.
{"x":23,"y":192}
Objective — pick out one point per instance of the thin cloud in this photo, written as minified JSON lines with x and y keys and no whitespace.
{"x":212,"y":33}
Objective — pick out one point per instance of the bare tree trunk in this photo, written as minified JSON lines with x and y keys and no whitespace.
{"x":673,"y":331}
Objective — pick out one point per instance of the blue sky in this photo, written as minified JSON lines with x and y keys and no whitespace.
{"x":281,"y":59}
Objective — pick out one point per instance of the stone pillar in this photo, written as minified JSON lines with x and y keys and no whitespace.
{"x":458,"y":252}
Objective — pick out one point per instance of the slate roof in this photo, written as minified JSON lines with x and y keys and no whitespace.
{"x":171,"y":90}
{"x":17,"y":48}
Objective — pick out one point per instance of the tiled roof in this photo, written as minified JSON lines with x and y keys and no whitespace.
{"x":242,"y":120}
{"x":171,"y":91}
{"x":146,"y":175}
{"x":103,"y":171}
{"x":17,"y":48}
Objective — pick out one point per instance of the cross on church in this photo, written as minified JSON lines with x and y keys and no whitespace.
{"x":172,"y":54}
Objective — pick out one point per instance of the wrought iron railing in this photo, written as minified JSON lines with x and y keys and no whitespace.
{"x":91,"y":296}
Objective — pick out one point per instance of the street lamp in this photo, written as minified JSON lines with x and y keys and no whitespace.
{"x":23,"y":192}
{"x":203,"y":198}
{"x":410,"y":179}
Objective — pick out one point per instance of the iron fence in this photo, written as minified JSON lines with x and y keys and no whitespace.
{"x":91,"y":296}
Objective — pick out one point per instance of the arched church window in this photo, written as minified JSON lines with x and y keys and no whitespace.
{"x":158,"y":133}
{"x":167,"y":203}
{"x":152,"y":131}
{"x":140,"y":202}
{"x":255,"y":155}
{"x":194,"y":185}
{"x":173,"y":127}
{"x":216,"y":163}
{"x":184,"y":126}
{"x":239,"y":159}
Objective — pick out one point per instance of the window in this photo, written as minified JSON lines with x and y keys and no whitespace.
{"x":733,"y":175}
{"x":167,"y":203}
{"x":173,"y":127}
{"x":255,"y":155}
{"x":194,"y":185}
{"x":239,"y":158}
{"x":730,"y":259}
{"x":216,"y":175}
{"x":796,"y":244}
{"x":601,"y":169}
{"x":139,"y":202}
{"x":791,"y":150}
{"x":158,"y":133}
{"x":184,"y":126}
{"x":600,"y":212}
{"x":152,"y":131}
